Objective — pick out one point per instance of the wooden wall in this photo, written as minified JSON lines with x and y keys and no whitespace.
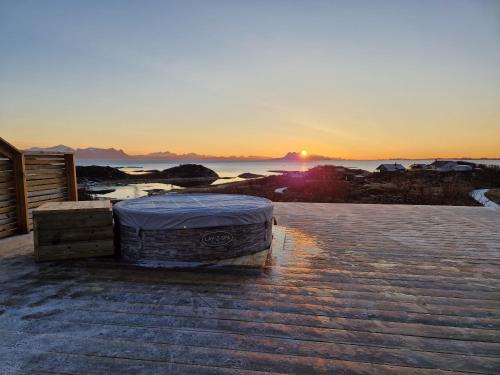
{"x":8,"y":208}
{"x":47,"y":180}
{"x":29,"y":179}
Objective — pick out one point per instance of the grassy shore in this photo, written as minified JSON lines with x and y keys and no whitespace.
{"x":494,"y":195}
{"x":332,"y":184}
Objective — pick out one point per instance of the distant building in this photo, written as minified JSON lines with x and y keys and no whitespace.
{"x":463,"y":168}
{"x":451,"y":166}
{"x":443,"y":165}
{"x":391,"y":168}
{"x":418,"y":166}
{"x":469,"y":163}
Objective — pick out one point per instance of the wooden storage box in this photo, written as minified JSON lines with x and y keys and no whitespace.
{"x":65,"y":230}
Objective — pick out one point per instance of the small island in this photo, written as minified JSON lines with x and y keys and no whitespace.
{"x":188,"y":173}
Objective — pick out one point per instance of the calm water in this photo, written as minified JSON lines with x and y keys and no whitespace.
{"x":234,"y":168}
{"x":231,"y":169}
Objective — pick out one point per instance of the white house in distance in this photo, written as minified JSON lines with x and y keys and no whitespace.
{"x":391,"y":168}
{"x":437,"y":165}
{"x":451,"y":166}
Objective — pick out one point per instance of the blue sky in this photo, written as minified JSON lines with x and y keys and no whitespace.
{"x":360,"y":79}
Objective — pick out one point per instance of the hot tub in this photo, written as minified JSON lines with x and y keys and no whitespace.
{"x":193,"y":227}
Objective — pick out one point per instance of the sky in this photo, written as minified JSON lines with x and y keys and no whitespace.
{"x":353,"y":79}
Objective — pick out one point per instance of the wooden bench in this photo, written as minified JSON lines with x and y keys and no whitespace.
{"x":65,"y":230}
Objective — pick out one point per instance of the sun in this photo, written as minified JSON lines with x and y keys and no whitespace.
{"x":303,"y":153}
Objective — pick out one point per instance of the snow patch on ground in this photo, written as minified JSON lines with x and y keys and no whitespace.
{"x":479,"y":196}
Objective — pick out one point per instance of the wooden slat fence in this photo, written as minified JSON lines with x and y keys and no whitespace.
{"x":29,"y":179}
{"x":8,"y":209}
{"x":47,"y":180}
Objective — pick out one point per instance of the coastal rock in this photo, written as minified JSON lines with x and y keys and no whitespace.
{"x":152,"y":192}
{"x":185,"y":171}
{"x":249,"y":175}
{"x":186,"y":175}
{"x":99,"y":173}
{"x":101,"y":191}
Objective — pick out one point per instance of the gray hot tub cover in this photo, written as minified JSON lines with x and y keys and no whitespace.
{"x":180,"y":211}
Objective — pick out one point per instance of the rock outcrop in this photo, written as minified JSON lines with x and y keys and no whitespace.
{"x":250,"y":175}
{"x":184,"y":171}
{"x":99,"y":173}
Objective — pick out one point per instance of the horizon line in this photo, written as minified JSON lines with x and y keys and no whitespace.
{"x":311,"y":157}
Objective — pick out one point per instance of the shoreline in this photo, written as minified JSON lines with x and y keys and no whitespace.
{"x":326,"y":184}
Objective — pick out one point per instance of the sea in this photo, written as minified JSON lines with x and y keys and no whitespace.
{"x":228,"y":170}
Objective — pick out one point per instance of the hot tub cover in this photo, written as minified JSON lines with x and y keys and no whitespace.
{"x":180,"y":211}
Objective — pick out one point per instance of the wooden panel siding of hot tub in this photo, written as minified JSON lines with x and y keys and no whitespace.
{"x":188,"y":244}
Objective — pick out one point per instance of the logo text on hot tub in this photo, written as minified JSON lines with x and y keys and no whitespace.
{"x":218,"y":238}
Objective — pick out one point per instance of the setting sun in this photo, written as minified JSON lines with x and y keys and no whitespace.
{"x":303,"y":153}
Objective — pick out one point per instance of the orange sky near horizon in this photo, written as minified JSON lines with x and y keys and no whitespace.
{"x":452,"y":132}
{"x":369,"y":147}
{"x":350,"y":79}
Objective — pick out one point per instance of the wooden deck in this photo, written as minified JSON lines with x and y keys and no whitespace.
{"x":357,"y":289}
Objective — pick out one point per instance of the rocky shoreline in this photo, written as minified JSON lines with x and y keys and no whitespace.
{"x":319,"y":184}
{"x":95,"y":181}
{"x":344,"y":185}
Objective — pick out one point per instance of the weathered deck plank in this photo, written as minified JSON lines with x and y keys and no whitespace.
{"x":357,"y":289}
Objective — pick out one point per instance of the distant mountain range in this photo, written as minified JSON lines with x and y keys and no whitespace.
{"x":59,"y":148}
{"x":88,"y":153}
{"x":94,"y":153}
